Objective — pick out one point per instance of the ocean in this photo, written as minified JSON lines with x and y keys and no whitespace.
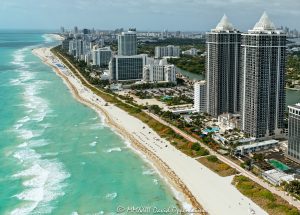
{"x":58,"y":156}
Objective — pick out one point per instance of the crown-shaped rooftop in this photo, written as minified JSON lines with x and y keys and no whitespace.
{"x":264,"y":24}
{"x":224,"y":25}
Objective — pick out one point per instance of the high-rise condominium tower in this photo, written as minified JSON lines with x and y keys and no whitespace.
{"x":222,"y":68}
{"x":127,"y":43}
{"x":262,"y":80}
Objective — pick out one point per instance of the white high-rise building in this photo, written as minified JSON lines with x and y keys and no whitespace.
{"x":200,"y":96}
{"x":170,"y":73}
{"x":167,"y":51}
{"x":101,"y":56}
{"x":159,"y":71}
{"x":127,"y":43}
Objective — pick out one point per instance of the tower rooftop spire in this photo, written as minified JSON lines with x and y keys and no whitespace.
{"x":264,"y":23}
{"x":224,"y":24}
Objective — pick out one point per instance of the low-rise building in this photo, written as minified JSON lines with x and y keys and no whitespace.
{"x":167,"y":51}
{"x":256,"y":147}
{"x":276,"y":177}
{"x":192,"y":52}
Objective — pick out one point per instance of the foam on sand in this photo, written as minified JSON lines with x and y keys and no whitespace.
{"x":116,"y":149}
{"x":149,"y":172}
{"x":93,"y":144}
{"x":111,"y":196}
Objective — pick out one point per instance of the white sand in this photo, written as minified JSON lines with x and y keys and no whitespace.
{"x":216,"y":194}
{"x":56,"y":37}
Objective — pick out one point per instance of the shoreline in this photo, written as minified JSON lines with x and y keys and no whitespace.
{"x":173,"y":181}
{"x":199,"y":185}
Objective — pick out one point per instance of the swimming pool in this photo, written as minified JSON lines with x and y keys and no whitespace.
{"x":278,"y":165}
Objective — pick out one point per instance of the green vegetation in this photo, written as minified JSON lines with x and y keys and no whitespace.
{"x":293,"y":187}
{"x":213,"y":163}
{"x":272,"y":203}
{"x":293,"y":69}
{"x":200,"y":150}
{"x":178,"y":100}
{"x":212,"y":158}
{"x":143,"y":94}
{"x":151,"y":86}
{"x":194,"y":64}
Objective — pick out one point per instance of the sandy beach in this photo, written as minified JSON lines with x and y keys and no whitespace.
{"x":56,"y":37}
{"x":198,"y":185}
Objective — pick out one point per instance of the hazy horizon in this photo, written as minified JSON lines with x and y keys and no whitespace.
{"x":145,"y":15}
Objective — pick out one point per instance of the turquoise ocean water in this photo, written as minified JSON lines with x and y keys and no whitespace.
{"x":56,"y":155}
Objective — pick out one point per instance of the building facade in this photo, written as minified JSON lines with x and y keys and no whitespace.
{"x":127,"y":68}
{"x":127,"y":43}
{"x":159,"y":71}
{"x":78,"y":48}
{"x":167,"y":51}
{"x":200,"y":96}
{"x":101,"y":56}
{"x":294,"y":133}
{"x":65,"y":44}
{"x":262,"y":80}
{"x":222,"y":68}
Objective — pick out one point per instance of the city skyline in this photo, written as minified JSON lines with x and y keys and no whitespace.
{"x":173,"y":15}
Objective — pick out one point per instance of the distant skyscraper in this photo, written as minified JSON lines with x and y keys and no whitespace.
{"x":76,"y":30}
{"x":294,"y":132}
{"x":200,"y":96}
{"x":262,"y":80}
{"x":222,"y":68}
{"x":85,"y":31}
{"x":127,"y":43}
{"x":65,"y":44}
{"x":62,"y":30}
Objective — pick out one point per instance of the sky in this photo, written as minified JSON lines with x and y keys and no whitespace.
{"x":145,"y":15}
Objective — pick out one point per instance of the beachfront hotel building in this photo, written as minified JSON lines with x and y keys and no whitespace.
{"x":101,"y":56}
{"x":263,"y":56}
{"x":167,"y":51}
{"x":222,"y":69}
{"x":159,"y":71}
{"x":200,"y":96}
{"x":127,"y":43}
{"x":294,"y":133}
{"x":127,"y":68}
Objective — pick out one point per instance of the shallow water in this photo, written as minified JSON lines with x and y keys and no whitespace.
{"x":57,"y":155}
